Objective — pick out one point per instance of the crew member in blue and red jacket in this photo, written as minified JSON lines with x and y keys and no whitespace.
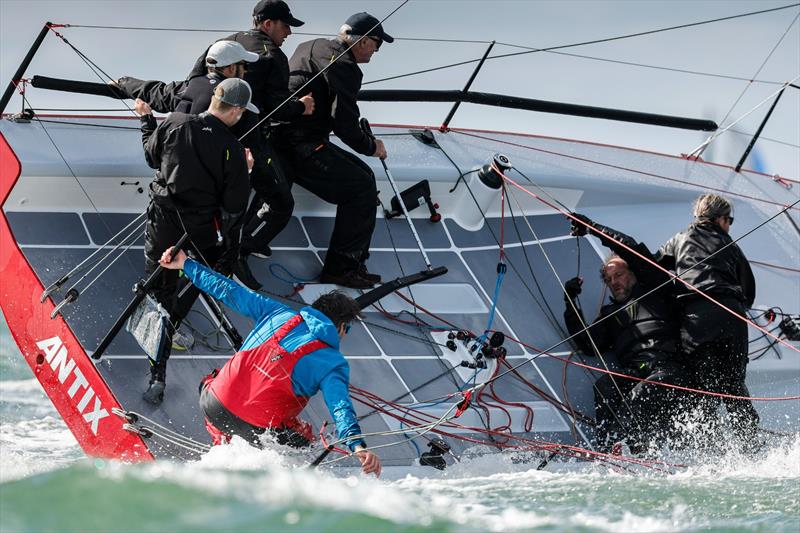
{"x":286,"y":359}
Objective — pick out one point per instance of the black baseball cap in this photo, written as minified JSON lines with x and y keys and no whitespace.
{"x":362,"y":24}
{"x":275,"y":10}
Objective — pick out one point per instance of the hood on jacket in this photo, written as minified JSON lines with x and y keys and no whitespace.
{"x":320,"y":326}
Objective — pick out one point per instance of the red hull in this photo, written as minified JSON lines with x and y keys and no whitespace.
{"x":58,"y":360}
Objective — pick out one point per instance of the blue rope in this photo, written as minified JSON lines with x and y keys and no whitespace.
{"x":501,"y":273}
{"x":290,"y":278}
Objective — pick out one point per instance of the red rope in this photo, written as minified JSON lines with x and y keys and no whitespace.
{"x":416,"y":417}
{"x":423,"y":418}
{"x":645,"y":380}
{"x":325,"y":442}
{"x":617,"y":167}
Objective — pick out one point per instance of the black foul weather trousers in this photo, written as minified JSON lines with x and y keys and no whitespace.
{"x":715,"y":344}
{"x":164,"y":228}
{"x":637,"y":412}
{"x":273,"y":204}
{"x":341,"y":178}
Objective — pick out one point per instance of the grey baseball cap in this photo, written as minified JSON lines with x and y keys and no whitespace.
{"x":224,"y":53}
{"x":235,"y":92}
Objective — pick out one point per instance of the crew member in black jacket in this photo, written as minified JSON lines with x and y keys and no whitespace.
{"x":271,"y":208}
{"x":336,"y":175}
{"x":642,"y":331}
{"x":201,"y":187}
{"x":715,"y":341}
{"x":223,"y":59}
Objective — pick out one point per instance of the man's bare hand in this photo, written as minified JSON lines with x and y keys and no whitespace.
{"x":248,"y":155}
{"x":370,"y":463}
{"x":380,"y":149}
{"x":308,"y":102}
{"x":172,"y":263}
{"x":142,"y":107}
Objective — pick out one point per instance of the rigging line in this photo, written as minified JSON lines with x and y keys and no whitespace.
{"x":138,"y":416}
{"x":72,"y":172}
{"x":583,"y":324}
{"x":420,"y":39}
{"x":532,"y":444}
{"x":80,"y":110}
{"x":699,"y":150}
{"x":555,"y":323}
{"x":170,"y":439}
{"x":453,"y":369}
{"x":545,"y":352}
{"x":685,"y":389}
{"x":770,"y":344}
{"x":322,"y":71}
{"x":100,"y":27}
{"x":125,"y":243}
{"x":585,"y":43}
{"x":739,"y":132}
{"x":655,"y":67}
{"x":421,"y":430}
{"x":760,"y":68}
{"x":107,"y":126}
{"x":673,"y":276}
{"x":562,"y":341}
{"x":664,"y":270}
{"x":79,"y":267}
{"x":619,"y":167}
{"x":94,"y":67}
{"x":218,"y":30}
{"x":770,"y":265}
{"x":77,"y":181}
{"x":410,"y":292}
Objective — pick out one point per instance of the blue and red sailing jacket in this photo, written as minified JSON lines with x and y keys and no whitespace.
{"x":258,"y":391}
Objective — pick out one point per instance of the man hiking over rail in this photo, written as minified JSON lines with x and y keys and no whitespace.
{"x":642,"y":333}
{"x":286,"y":359}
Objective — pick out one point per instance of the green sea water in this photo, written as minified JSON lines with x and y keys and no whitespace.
{"x":48,"y":484}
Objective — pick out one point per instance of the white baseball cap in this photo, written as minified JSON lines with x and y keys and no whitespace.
{"x":224,"y":53}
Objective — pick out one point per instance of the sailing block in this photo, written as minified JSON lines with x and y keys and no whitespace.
{"x":415,"y":196}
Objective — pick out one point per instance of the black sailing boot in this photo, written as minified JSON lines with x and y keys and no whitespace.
{"x":241,"y":269}
{"x":154,"y":394}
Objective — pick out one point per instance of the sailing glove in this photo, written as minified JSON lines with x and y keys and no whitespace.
{"x":573,"y":287}
{"x":576,"y":229}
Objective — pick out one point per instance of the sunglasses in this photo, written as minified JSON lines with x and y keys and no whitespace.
{"x":377,"y":40}
{"x":730,"y":219}
{"x":347,"y":328}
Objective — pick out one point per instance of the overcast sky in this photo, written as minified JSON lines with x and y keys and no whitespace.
{"x":735,"y":48}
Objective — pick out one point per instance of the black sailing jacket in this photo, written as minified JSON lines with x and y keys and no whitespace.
{"x":200,"y":165}
{"x":268,"y":77}
{"x":727,"y":273}
{"x":335,"y":95}
{"x":645,"y":331}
